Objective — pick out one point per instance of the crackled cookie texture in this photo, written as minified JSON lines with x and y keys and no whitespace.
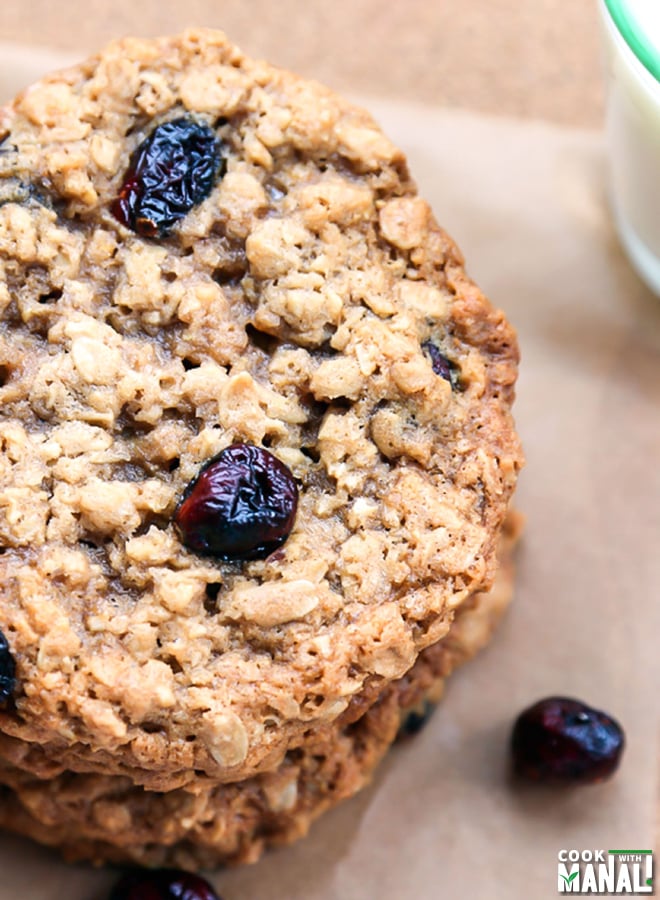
{"x":288,"y":309}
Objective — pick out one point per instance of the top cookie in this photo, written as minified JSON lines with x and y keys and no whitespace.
{"x":198,"y":251}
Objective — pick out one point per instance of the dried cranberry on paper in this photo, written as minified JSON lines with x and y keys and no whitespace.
{"x":162,"y":884}
{"x":561,"y":740}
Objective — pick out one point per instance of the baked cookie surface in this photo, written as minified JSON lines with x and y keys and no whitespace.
{"x":106,"y":818}
{"x":304,"y":302}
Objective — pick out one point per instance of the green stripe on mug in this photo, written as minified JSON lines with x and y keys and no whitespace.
{"x":638,"y":21}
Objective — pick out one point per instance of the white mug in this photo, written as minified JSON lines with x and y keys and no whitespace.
{"x":632,"y":43}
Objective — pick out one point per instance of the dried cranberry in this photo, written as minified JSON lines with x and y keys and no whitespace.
{"x":162,"y":884}
{"x":242,"y":505}
{"x":174,"y":169}
{"x":442,"y":366}
{"x":564,"y":740}
{"x":416,"y":720}
{"x":7,"y":670}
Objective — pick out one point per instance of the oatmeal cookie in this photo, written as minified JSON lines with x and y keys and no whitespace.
{"x":256,"y":444}
{"x":107,"y":819}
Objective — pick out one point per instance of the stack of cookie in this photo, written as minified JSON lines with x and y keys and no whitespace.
{"x":256,"y":454}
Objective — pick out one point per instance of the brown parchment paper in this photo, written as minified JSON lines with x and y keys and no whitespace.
{"x":520,"y":57}
{"x":526,"y":202}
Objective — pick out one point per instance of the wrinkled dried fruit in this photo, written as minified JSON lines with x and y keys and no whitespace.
{"x":440,"y":364}
{"x":416,"y":719}
{"x":564,"y":740}
{"x":7,"y":670}
{"x":174,"y":169}
{"x":162,"y":884}
{"x":241,"y":506}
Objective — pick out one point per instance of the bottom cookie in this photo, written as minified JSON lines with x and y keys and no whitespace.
{"x":108,"y":819}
